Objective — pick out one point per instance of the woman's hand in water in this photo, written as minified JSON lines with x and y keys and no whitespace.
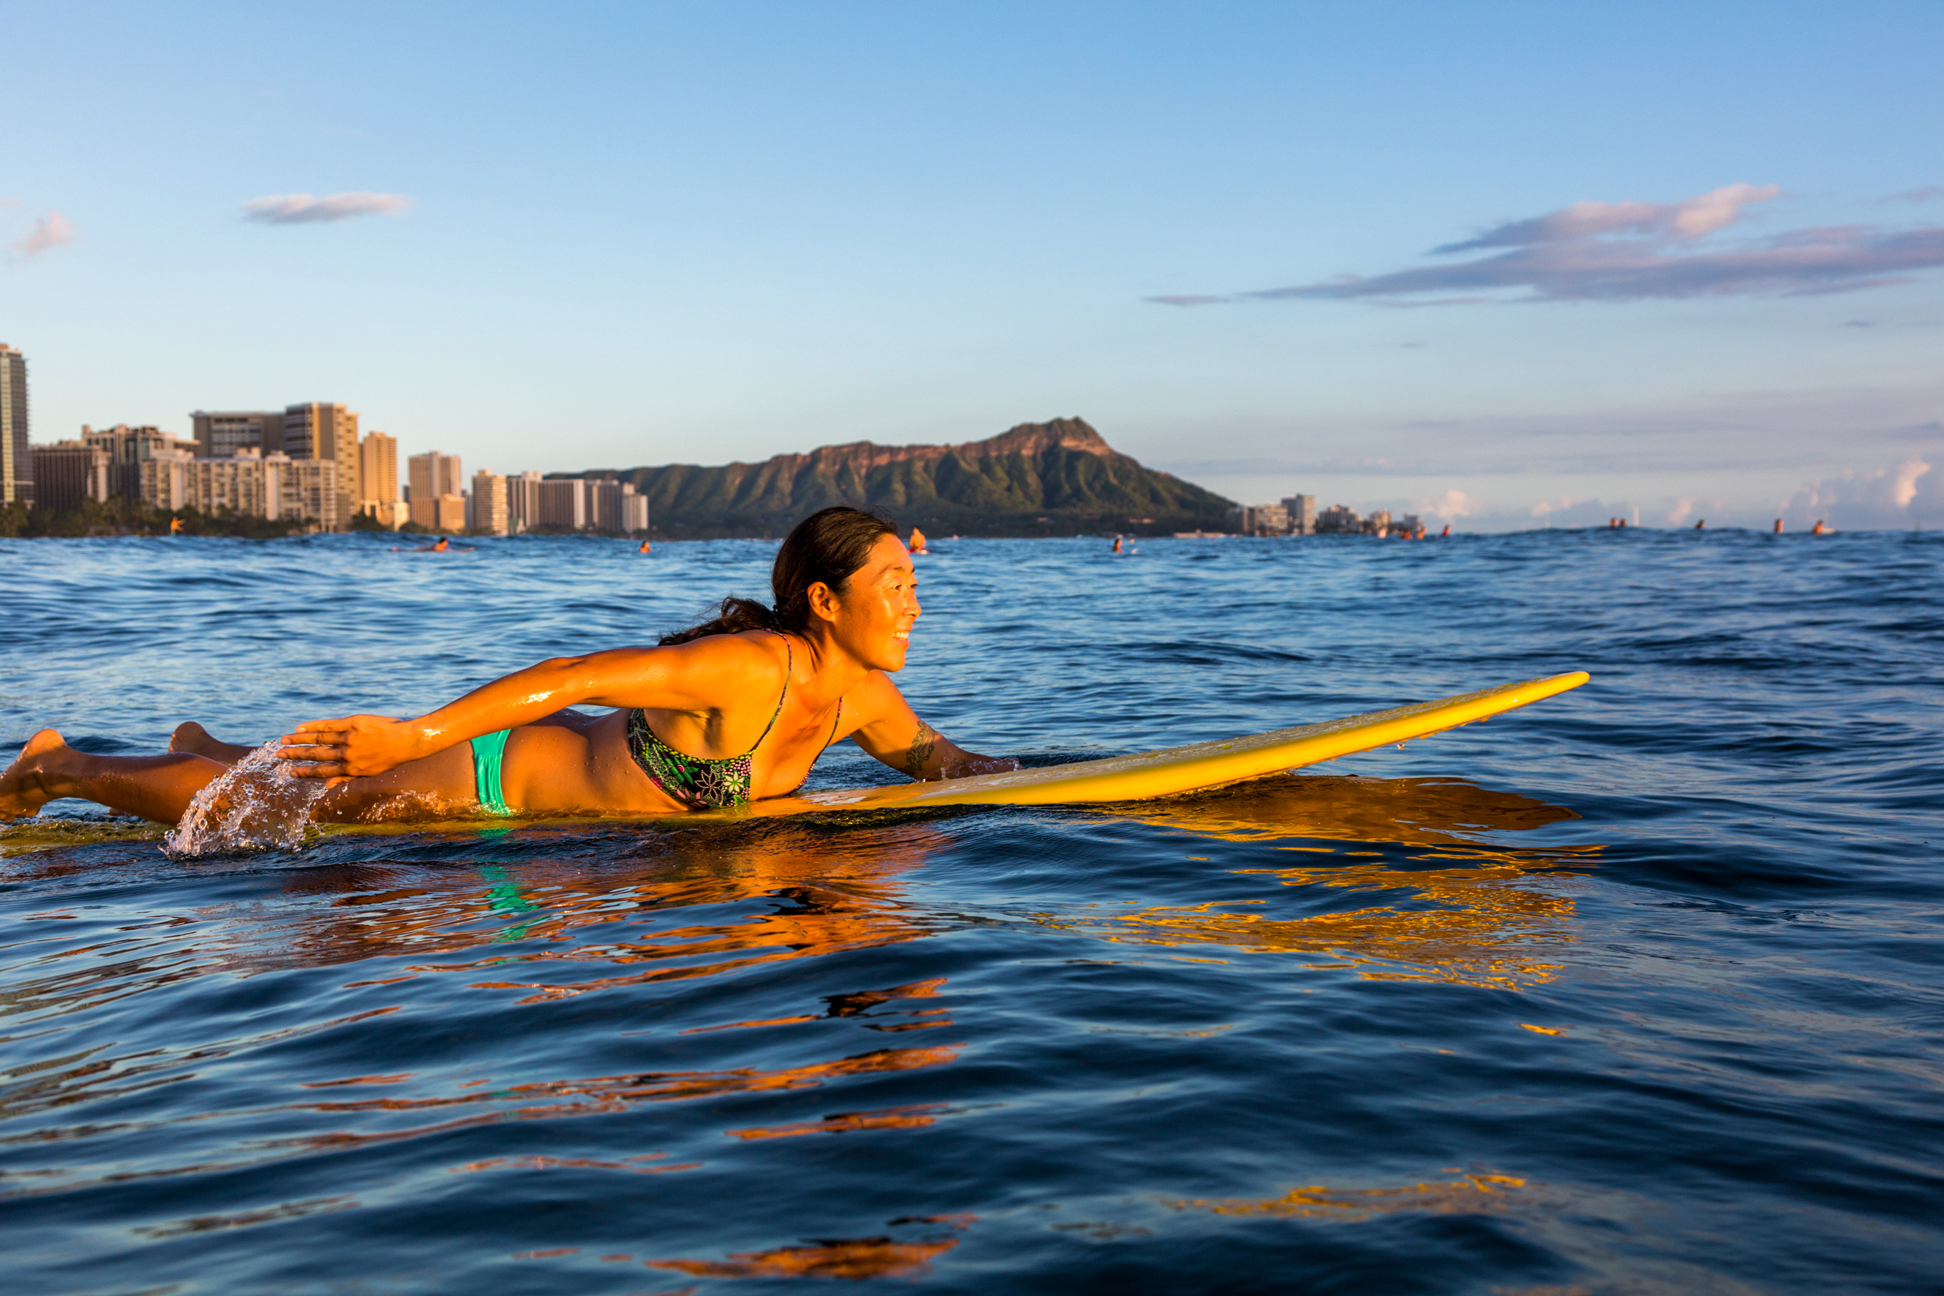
{"x":354,"y":747}
{"x":971,"y":763}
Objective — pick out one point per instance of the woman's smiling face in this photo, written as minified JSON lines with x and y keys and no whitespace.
{"x":877,"y":606}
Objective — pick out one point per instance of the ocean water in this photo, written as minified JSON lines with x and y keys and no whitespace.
{"x":1640,"y":989}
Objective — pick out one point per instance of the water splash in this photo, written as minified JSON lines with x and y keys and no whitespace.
{"x":257,"y":804}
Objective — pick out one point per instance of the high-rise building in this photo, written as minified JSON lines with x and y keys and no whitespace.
{"x":243,"y":483}
{"x":220,"y":435}
{"x":523,"y":502}
{"x":377,"y":473}
{"x":1302,"y":514}
{"x":564,"y":504}
{"x":162,"y":480}
{"x":1338,"y":520}
{"x":439,"y":512}
{"x":488,"y":504}
{"x":310,"y":489}
{"x":318,"y":430}
{"x":130,"y":447}
{"x":266,"y":486}
{"x":1258,"y":519}
{"x":432,"y":474}
{"x":68,"y":472}
{"x":614,"y":506}
{"x":16,"y":458}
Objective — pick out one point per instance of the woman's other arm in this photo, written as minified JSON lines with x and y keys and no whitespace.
{"x":891,"y":731}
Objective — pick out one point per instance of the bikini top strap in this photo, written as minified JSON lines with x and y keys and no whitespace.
{"x":834,"y":722}
{"x":789,"y":666}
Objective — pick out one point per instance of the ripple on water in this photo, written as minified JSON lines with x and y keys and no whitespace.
{"x":1632,"y":990}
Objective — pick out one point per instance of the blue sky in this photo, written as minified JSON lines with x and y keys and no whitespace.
{"x":1688,"y":259}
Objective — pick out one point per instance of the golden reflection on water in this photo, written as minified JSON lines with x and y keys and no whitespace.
{"x":1468,"y":1195}
{"x":872,"y":1257}
{"x":876,"y":1257}
{"x":842,"y":891}
{"x":1478,"y":926}
{"x":602,"y":1095}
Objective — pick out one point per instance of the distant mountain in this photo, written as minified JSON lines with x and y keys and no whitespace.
{"x":1057,"y":478}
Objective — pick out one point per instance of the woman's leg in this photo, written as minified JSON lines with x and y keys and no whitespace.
{"x":564,"y":763}
{"x":154,"y":787}
{"x":433,"y":787}
{"x":192,"y":737}
{"x":161,"y":787}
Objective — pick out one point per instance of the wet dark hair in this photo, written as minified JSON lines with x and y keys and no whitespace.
{"x":827,"y":546}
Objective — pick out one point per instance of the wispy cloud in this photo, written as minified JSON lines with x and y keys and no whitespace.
{"x":307,"y":209}
{"x":1925,"y":194}
{"x":50,"y":231}
{"x":1680,"y":220}
{"x":1631,"y":251}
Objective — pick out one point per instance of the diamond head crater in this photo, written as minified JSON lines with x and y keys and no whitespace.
{"x":1037,"y":479}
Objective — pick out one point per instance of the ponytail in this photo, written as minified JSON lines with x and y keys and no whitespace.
{"x":828,"y":546}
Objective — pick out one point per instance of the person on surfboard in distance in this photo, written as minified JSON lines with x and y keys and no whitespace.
{"x":736,"y":708}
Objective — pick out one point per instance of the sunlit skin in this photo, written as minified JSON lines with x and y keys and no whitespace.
{"x":709,"y":697}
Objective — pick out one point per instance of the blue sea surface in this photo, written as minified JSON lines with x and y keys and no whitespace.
{"x":1639,"y":989}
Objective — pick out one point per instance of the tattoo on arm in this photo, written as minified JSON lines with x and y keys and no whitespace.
{"x":920,"y":750}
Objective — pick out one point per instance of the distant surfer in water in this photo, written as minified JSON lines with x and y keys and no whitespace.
{"x":917,"y":542}
{"x":645,"y":548}
{"x":1117,"y":544}
{"x":733,"y":709}
{"x":443,"y":546}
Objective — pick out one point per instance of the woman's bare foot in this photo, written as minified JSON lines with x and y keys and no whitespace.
{"x":193,"y":738}
{"x":21,"y":792}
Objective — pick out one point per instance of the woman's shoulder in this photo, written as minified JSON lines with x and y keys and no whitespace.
{"x":751,"y":655}
{"x":872,"y":697}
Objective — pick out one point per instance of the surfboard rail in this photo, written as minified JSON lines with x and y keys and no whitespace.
{"x":1184,"y":769}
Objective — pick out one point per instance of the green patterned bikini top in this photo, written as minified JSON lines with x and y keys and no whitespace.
{"x":699,"y":782}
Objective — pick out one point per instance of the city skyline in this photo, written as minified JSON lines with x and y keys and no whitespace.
{"x":305,"y":463}
{"x":1502,"y":265}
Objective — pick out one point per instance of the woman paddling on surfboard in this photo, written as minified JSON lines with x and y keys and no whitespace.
{"x":736,"y":708}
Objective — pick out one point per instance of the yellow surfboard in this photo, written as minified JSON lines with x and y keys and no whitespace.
{"x":1177,"y":769}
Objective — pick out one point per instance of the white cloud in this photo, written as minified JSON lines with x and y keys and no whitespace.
{"x":1903,"y":481}
{"x":1682,"y":510}
{"x":49,"y":232}
{"x":305,"y":209}
{"x":1861,"y":500}
{"x":1451,"y":506}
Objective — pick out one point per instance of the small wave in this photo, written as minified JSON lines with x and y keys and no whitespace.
{"x":258,"y":804}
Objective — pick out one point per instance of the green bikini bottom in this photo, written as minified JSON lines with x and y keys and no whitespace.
{"x":489,"y":751}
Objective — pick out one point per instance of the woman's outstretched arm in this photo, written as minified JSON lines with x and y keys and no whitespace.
{"x":696,"y":676}
{"x":891,"y":731}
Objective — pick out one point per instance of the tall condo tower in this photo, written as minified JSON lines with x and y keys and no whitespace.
{"x":219,"y":435}
{"x":377,"y":469}
{"x":16,"y":461}
{"x":317,"y":430}
{"x":433,"y":474}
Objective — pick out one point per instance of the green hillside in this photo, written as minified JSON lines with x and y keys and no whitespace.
{"x":1057,"y":478}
